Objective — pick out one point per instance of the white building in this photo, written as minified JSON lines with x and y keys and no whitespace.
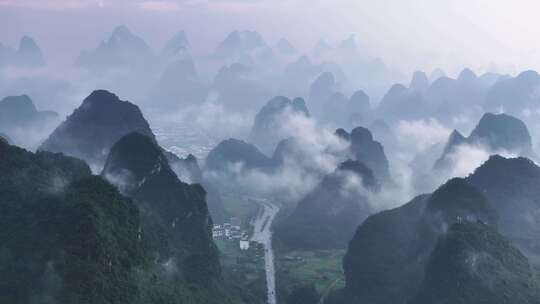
{"x":244,"y":244}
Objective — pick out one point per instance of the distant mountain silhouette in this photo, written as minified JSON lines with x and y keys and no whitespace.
{"x":176,"y":47}
{"x":399,"y":103}
{"x":443,"y":98}
{"x":284,"y":47}
{"x":121,"y":49}
{"x":320,"y":92}
{"x":233,"y":152}
{"x":514,"y":95}
{"x":28,"y":54}
{"x":178,"y":86}
{"x":91,"y":130}
{"x":238,"y":88}
{"x":495,"y":132}
{"x":237,"y":43}
{"x":20,"y":112}
{"x":22,"y":122}
{"x":419,"y":81}
{"x":368,"y":151}
{"x":267,"y":130}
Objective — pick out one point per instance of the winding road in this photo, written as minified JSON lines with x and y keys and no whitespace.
{"x":262,"y":234}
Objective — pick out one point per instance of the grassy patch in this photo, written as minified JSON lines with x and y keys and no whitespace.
{"x":322,"y":268}
{"x":245,"y":267}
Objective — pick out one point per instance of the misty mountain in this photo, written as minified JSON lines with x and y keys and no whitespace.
{"x":178,"y":86}
{"x":452,"y":97}
{"x":298,"y":75}
{"x":233,"y":154}
{"x":347,"y":112}
{"x":321,"y":48}
{"x":384,"y":133}
{"x":320,"y":91}
{"x":400,"y":103}
{"x":90,"y":131}
{"x":21,"y":121}
{"x":287,"y":149}
{"x":514,"y":95}
{"x":239,"y":43}
{"x":176,"y":48}
{"x":174,"y":214}
{"x":28,"y":54}
{"x":284,"y":47}
{"x":359,"y":108}
{"x":386,"y":258}
{"x":495,"y":132}
{"x":444,"y":98}
{"x":473,"y":263}
{"x":328,"y":216}
{"x":20,"y":111}
{"x":268,"y":126}
{"x":419,"y":81}
{"x":122,"y":49}
{"x":349,"y":43}
{"x":363,"y":148}
{"x":436,"y":74}
{"x":238,"y":88}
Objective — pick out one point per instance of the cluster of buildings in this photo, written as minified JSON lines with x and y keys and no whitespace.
{"x":231,"y":231}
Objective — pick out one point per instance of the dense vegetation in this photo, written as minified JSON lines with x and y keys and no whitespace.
{"x":174,"y":213}
{"x":386,"y":258}
{"x":511,"y":185}
{"x":473,"y":263}
{"x":66,"y":237}
{"x":69,"y":237}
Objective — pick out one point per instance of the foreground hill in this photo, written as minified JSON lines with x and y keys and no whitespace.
{"x":511,"y":185}
{"x":64,"y":234}
{"x":473,"y":263}
{"x":175,"y":215}
{"x":471,"y":241}
{"x":386,"y":258}
{"x":67,"y":236}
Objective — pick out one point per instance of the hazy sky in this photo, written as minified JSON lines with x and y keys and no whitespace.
{"x":407,"y":33}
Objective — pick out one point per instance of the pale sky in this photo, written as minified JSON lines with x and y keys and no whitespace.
{"x":411,"y":34}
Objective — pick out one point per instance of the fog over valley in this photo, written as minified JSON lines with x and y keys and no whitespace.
{"x":254,"y":151}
